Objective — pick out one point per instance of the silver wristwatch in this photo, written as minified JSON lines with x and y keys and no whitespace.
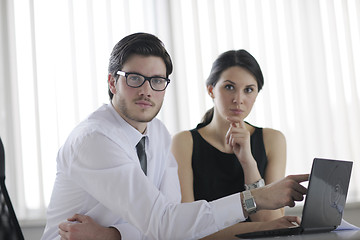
{"x":257,"y":184}
{"x":249,"y":202}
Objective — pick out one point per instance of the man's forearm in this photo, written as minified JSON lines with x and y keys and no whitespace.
{"x":112,"y":234}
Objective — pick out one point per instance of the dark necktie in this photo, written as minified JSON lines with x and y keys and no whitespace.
{"x":140,"y":148}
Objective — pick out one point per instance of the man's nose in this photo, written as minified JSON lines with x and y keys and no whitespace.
{"x":146,"y":89}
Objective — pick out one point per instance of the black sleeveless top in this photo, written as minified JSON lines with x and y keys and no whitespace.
{"x":218,"y":174}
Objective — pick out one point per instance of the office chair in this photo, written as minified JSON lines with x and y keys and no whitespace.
{"x":9,"y":225}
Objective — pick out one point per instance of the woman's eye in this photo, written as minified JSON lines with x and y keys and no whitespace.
{"x":249,"y":90}
{"x":229,"y":87}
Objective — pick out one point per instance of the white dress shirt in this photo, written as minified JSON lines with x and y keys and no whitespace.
{"x":99,"y":174}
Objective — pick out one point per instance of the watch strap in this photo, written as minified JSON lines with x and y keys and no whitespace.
{"x":257,"y":184}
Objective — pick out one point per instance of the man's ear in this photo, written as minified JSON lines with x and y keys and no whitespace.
{"x":210,"y":89}
{"x":112,"y":83}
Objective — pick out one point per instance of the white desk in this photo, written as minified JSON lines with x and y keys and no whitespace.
{"x":334,"y":235}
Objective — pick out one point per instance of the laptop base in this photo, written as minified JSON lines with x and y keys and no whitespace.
{"x":272,"y":233}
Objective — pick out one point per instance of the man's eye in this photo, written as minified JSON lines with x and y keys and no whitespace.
{"x":135,"y":78}
{"x":157,"y":80}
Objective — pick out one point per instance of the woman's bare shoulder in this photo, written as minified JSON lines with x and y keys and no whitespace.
{"x":272,"y":134}
{"x":182,"y":137}
{"x":274,"y":141}
{"x":182,"y":142}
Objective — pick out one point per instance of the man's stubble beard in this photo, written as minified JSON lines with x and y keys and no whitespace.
{"x":126,"y":113}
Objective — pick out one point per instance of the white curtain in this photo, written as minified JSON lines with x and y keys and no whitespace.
{"x":309,"y":51}
{"x":54,"y":57}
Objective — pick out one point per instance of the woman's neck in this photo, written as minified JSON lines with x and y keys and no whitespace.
{"x":216,"y":130}
{"x":215,"y":133}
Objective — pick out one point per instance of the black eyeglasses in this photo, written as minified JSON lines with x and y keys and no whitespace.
{"x":136,"y":80}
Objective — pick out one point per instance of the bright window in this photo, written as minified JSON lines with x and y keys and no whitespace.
{"x":58,"y":56}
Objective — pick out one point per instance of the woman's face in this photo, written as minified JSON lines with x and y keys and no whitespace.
{"x":235,"y":93}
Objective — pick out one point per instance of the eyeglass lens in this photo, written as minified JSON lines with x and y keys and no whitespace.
{"x":157,"y":83}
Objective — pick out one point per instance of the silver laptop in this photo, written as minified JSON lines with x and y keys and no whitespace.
{"x":324,"y":202}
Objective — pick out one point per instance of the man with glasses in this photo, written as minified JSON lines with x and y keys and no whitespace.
{"x":116,"y":166}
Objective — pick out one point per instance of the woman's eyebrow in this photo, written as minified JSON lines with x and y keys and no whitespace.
{"x":230,"y":82}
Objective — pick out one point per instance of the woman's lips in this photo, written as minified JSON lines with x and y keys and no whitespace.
{"x":236,"y":111}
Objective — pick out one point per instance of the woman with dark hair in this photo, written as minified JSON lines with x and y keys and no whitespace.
{"x":224,"y":154}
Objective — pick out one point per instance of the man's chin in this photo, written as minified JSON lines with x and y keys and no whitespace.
{"x":145,"y":117}
{"x":139,"y":115}
{"x":144,"y":120}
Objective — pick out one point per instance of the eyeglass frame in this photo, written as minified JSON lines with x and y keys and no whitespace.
{"x":126,"y":74}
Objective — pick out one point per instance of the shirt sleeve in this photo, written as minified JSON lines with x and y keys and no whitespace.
{"x":170,"y":185}
{"x":113,"y":177}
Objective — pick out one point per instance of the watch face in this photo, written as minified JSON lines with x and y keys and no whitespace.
{"x":249,"y":203}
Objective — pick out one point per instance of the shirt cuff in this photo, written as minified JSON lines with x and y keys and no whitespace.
{"x":127,"y":231}
{"x":227,"y":211}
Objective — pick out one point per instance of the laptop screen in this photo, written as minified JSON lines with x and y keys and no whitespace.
{"x":326,"y":196}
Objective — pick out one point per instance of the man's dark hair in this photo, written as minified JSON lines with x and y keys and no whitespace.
{"x":144,"y":44}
